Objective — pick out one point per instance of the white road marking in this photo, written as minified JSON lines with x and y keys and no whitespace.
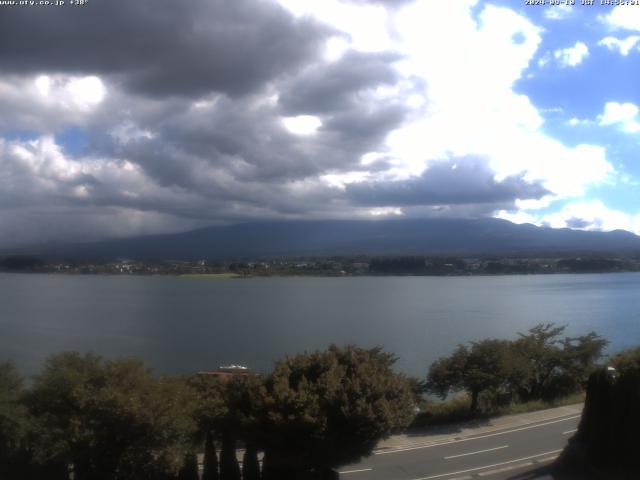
{"x":355,"y":471}
{"x":448,"y":442}
{"x":570,"y":431}
{"x":475,"y":453}
{"x":516,"y":467}
{"x":488,"y":466}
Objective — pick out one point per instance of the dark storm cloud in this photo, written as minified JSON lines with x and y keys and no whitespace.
{"x":227,"y":156}
{"x":161,"y":47}
{"x":224,"y":141}
{"x":36,"y":179}
{"x":215,"y":159}
{"x":455,"y":182}
{"x":249,"y":142}
{"x":330,"y":87}
{"x":190,"y":130}
{"x":361,"y":126}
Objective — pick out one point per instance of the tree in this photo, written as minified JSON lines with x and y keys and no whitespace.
{"x":230,"y":407}
{"x":189,"y":470}
{"x":17,"y":435}
{"x":544,"y":357}
{"x":110,"y":420}
{"x":538,"y":365}
{"x":12,"y":422}
{"x":485,"y":366}
{"x":244,"y":397}
{"x":627,"y":360}
{"x":556,"y":366}
{"x":325,"y":409}
{"x":250,"y":464}
{"x":208,"y":409}
{"x":229,"y":468}
{"x":446,"y":373}
{"x":579,"y":359}
{"x":210,"y":467}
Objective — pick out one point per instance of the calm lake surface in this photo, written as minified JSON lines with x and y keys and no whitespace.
{"x":186,"y":325}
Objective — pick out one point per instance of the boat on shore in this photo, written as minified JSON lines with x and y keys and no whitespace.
{"x":228,"y":371}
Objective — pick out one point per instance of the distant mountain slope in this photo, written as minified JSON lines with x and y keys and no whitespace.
{"x":333,"y":237}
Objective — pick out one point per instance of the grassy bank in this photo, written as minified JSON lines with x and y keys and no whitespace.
{"x":458,"y":409}
{"x":210,"y":276}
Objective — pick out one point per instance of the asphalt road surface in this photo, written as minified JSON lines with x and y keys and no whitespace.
{"x":489,"y":455}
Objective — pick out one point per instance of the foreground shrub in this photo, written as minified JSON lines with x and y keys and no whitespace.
{"x":330,"y":408}
{"x":109,"y":419}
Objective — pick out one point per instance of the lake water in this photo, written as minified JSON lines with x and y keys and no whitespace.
{"x":186,"y":325}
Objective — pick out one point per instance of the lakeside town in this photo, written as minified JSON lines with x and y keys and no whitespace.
{"x":333,"y":267}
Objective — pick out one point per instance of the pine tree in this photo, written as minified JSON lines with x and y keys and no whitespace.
{"x":210,"y":471}
{"x":250,"y":464}
{"x":189,"y":470}
{"x":229,"y":468}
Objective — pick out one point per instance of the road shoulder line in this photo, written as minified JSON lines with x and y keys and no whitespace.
{"x":472,"y":437}
{"x":476,"y":469}
{"x":501,"y":447}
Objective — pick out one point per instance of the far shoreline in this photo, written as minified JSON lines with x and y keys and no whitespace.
{"x":237,"y":276}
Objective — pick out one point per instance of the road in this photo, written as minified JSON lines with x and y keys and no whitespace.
{"x":487,"y":454}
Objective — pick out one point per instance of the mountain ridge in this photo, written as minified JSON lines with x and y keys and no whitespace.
{"x":349,"y":237}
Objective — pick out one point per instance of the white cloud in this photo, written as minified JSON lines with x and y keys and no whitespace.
{"x":578,"y":122}
{"x":572,"y":56}
{"x":127,"y":132}
{"x":338,"y":180}
{"x":624,"y":115}
{"x":544,"y":60}
{"x":468,"y":84}
{"x":624,"y":16}
{"x":471,"y":106}
{"x":469,"y":64}
{"x":49,"y":103}
{"x":592,"y":215}
{"x":622,"y":46}
{"x":71,"y":92}
{"x":47,"y":163}
{"x":564,"y":171}
{"x":302,"y":124}
{"x":43,"y":84}
{"x":40,"y":170}
{"x":535,"y":204}
{"x":386,"y":212}
{"x":585,"y":215}
{"x":558,"y":12}
{"x":518,"y":216}
{"x":44,"y":159}
{"x":86,"y":91}
{"x":335,"y":48}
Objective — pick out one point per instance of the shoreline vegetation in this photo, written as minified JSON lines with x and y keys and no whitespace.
{"x":209,"y":276}
{"x":329,"y":266}
{"x":312,"y":413}
{"x":458,"y":410}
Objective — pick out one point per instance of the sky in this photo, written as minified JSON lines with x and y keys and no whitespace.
{"x":123,"y":117}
